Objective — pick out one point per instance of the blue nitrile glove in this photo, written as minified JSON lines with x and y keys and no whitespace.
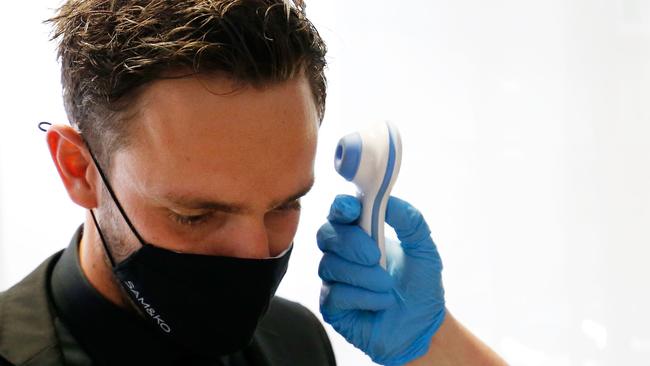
{"x":390,"y":314}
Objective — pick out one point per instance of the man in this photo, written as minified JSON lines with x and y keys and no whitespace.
{"x":193,"y":133}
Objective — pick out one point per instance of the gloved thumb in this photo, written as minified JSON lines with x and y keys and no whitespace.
{"x":345,"y":209}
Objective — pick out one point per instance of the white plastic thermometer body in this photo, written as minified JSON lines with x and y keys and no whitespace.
{"x":371,"y":159}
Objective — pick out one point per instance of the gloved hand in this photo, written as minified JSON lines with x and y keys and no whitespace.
{"x":390,"y":314}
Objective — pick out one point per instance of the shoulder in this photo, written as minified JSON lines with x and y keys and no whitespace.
{"x":281,"y":311}
{"x":291,"y":332}
{"x":26,"y":330}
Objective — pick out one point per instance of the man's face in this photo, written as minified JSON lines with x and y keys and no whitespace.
{"x":212,"y":171}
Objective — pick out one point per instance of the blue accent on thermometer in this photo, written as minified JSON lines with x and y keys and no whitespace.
{"x":384,"y":188}
{"x":351,"y":146}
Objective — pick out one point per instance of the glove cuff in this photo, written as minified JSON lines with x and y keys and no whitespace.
{"x":419,"y":347}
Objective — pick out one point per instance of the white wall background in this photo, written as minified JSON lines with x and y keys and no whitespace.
{"x":525,"y":127}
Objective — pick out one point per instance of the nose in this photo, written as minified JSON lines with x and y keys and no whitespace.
{"x":250,"y":239}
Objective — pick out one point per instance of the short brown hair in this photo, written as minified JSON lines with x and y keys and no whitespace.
{"x":111,"y":48}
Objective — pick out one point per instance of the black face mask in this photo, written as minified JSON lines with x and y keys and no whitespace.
{"x":208,"y":305}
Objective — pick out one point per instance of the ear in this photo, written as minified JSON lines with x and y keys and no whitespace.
{"x":74,"y":164}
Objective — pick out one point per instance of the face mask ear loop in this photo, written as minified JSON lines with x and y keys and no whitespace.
{"x":44,"y":129}
{"x":44,"y":126}
{"x":117,"y":203}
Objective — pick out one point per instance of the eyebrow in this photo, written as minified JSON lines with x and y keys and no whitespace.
{"x":228,"y":207}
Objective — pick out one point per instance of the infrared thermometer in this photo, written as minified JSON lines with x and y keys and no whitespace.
{"x":371,"y":159}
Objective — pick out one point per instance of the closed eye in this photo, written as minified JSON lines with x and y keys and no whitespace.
{"x":195,"y":220}
{"x":191,"y":220}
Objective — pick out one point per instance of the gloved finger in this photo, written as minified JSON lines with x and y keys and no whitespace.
{"x":338,"y":296}
{"x":333,"y":268}
{"x":345,"y":209}
{"x":410,"y":226}
{"x":349,"y":242}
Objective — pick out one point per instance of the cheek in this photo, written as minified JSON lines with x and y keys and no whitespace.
{"x":281,"y":229}
{"x":119,"y":237}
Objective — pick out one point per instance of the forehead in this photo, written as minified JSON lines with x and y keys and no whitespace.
{"x":208,"y":134}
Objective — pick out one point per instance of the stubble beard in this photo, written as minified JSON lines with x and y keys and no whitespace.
{"x":119,"y":241}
